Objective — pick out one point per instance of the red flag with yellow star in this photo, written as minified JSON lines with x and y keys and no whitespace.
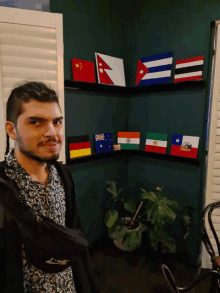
{"x":83,"y":70}
{"x":141,"y":71}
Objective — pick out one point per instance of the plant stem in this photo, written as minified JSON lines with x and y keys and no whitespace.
{"x":187,"y":232}
{"x":136,"y":214}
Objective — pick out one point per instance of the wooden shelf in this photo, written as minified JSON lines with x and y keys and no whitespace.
{"x":129,"y":153}
{"x":74,"y":86}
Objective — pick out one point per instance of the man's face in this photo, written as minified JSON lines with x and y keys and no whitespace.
{"x":32,"y":134}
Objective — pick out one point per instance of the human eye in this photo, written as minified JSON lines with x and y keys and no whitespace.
{"x":33,"y":122}
{"x":58,"y":122}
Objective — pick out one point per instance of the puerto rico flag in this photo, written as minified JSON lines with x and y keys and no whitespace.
{"x":154,"y":69}
{"x":79,"y":146}
{"x":129,"y":140}
{"x":185,"y":146}
{"x":189,"y":69}
{"x":156,"y":142}
{"x":110,"y":70}
{"x":103,"y":142}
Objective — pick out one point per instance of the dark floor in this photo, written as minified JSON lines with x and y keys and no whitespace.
{"x":129,"y":272}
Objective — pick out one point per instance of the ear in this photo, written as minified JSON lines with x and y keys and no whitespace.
{"x":10,"y":129}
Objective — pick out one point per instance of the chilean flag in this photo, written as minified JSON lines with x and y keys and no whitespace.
{"x":185,"y":146}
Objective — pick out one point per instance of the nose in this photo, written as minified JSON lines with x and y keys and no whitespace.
{"x":50,"y":130}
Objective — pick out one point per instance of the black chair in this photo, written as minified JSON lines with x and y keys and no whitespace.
{"x":215,"y":272}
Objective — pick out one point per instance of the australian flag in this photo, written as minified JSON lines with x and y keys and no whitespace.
{"x":103,"y":142}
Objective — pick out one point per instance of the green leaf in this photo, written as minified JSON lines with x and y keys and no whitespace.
{"x":142,"y":228}
{"x":187,"y":219}
{"x":111,"y":217}
{"x":132,"y":240}
{"x":172,"y":204}
{"x":130,"y":205}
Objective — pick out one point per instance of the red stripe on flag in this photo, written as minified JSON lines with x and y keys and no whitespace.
{"x":190,"y":60}
{"x":79,"y":146}
{"x":155,"y":149}
{"x":188,"y":78}
{"x":176,"y":151}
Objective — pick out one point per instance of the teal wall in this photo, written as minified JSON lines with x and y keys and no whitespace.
{"x":131,"y":30}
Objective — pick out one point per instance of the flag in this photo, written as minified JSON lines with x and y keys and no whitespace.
{"x":156,"y":142}
{"x":110,"y":70}
{"x":154,"y":69}
{"x":189,"y":69}
{"x":103,"y":142}
{"x":83,"y":70}
{"x":185,"y":146}
{"x":79,"y":146}
{"x":129,"y":140}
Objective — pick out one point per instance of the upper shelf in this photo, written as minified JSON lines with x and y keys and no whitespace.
{"x":123,"y":153}
{"x":77,"y":86}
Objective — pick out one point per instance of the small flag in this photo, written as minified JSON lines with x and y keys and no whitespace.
{"x":185,"y":146}
{"x":116,"y":147}
{"x":154,"y":69}
{"x":189,"y":69}
{"x":110,"y":70}
{"x":79,"y":146}
{"x":129,"y":140}
{"x":156,"y":142}
{"x":103,"y":142}
{"x":83,"y":70}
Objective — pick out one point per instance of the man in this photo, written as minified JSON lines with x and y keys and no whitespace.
{"x":40,"y":255}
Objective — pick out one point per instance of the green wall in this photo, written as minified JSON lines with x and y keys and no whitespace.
{"x":131,"y":30}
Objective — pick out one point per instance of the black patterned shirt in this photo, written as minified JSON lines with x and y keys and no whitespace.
{"x":50,"y":202}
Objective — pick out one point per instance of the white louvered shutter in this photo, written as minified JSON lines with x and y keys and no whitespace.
{"x":212,"y":193}
{"x":31,"y":48}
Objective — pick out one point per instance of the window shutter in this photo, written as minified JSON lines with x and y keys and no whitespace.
{"x":212,"y":192}
{"x":31,"y":48}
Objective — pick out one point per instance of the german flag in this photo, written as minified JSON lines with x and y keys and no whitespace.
{"x":79,"y":146}
{"x":129,"y":140}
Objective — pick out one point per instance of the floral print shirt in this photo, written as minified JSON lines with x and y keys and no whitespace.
{"x":50,"y":202}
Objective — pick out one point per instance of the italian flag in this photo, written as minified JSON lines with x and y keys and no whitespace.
{"x":129,"y":140}
{"x":156,"y":142}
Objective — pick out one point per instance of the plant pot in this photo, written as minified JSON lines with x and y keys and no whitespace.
{"x":119,"y":242}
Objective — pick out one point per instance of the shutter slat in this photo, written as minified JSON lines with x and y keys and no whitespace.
{"x":21,"y":51}
{"x":216,"y":164}
{"x":29,"y":73}
{"x":216,"y":180}
{"x":18,"y":40}
{"x":29,"y":63}
{"x":26,"y":30}
{"x":219,"y":112}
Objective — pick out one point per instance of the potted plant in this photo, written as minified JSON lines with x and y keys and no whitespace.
{"x":162,"y":212}
{"x":125,"y":230}
{"x":125,"y":224}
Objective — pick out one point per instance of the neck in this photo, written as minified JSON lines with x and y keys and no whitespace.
{"x":35,"y":169}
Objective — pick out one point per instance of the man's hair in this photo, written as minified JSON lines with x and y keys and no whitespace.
{"x":25,"y":93}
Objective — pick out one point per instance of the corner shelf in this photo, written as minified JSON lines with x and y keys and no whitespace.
{"x":76,"y":86}
{"x":132,"y":153}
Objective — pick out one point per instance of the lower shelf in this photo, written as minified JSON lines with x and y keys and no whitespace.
{"x":129,"y":153}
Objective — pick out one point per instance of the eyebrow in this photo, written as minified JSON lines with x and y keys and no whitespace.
{"x":43,"y":119}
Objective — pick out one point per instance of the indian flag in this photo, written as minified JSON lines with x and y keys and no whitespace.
{"x":129,"y":140}
{"x":79,"y":146}
{"x":156,"y":142}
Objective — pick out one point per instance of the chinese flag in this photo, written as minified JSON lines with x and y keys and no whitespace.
{"x":83,"y":70}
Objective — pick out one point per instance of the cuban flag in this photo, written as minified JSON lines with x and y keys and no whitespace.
{"x":103,"y":142}
{"x":154,"y":69}
{"x":185,"y":146}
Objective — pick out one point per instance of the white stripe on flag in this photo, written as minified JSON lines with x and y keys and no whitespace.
{"x":131,"y":140}
{"x":188,"y":74}
{"x":157,"y":74}
{"x":160,"y":62}
{"x":194,"y":140}
{"x":195,"y":63}
{"x":161,"y":143}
